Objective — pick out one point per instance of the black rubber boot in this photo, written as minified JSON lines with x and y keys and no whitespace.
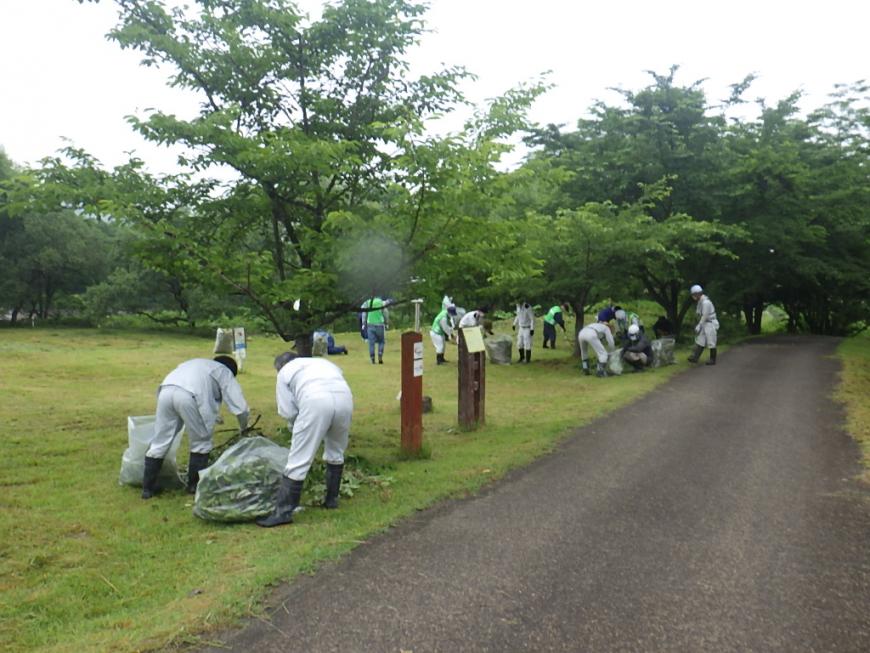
{"x":373,"y":360}
{"x":696,"y":354}
{"x":528,"y":355}
{"x":601,"y":371}
{"x":149,"y":478}
{"x":584,"y":365}
{"x":333,"y":485}
{"x":712,"y":360}
{"x":638,"y":366}
{"x":439,"y":359}
{"x":196,"y":463}
{"x":545,"y":344}
{"x":522,"y":355}
{"x":289,"y":495}
{"x":380,"y":360}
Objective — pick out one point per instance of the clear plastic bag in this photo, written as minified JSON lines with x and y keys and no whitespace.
{"x":140,"y":430}
{"x":614,"y":363}
{"x":242,"y":484}
{"x":319,"y":343}
{"x":499,"y":349}
{"x":663,"y":352}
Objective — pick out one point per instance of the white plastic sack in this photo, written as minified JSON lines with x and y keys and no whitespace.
{"x":614,"y":363}
{"x":663,"y":351}
{"x":224,"y":342}
{"x":243,"y":483}
{"x":499,"y":349}
{"x":140,"y":430}
{"x":319,"y":344}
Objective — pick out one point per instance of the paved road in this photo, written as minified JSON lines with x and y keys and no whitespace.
{"x":719,"y":513}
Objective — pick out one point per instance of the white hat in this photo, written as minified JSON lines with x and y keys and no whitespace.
{"x":695,"y":289}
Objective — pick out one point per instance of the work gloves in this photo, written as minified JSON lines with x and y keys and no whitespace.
{"x":243,"y":422}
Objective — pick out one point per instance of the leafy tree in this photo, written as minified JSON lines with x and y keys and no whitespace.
{"x":323,"y":129}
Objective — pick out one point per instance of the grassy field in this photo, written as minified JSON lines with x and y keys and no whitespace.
{"x":86,"y":565}
{"x":854,"y":390}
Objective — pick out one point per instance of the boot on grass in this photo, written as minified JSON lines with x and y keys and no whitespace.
{"x":333,"y":485}
{"x":289,"y":495}
{"x":696,"y":354}
{"x":149,"y":478}
{"x":196,"y":463}
{"x":601,"y":371}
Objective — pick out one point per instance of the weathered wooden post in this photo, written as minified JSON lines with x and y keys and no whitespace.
{"x":472,"y":378}
{"x":412,"y":389}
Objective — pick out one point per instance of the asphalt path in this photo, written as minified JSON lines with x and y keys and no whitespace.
{"x":718,"y":513}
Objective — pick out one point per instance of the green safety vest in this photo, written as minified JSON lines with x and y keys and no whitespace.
{"x":376,"y":316}
{"x":631,"y":318}
{"x":550,"y":317}
{"x":436,"y":325}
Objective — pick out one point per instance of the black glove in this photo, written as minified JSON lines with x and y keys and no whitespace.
{"x":514,"y":327}
{"x":532,"y":332}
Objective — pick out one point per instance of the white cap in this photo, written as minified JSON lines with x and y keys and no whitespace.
{"x":633,"y":330}
{"x":620,"y":314}
{"x":695,"y":289}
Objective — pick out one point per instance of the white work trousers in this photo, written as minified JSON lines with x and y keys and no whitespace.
{"x":587,"y":338}
{"x":707,"y":337}
{"x":437,"y":342}
{"x":524,"y":338}
{"x":176,"y":407}
{"x":323,"y":417}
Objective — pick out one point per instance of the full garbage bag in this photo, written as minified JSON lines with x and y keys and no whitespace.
{"x":224,"y":342}
{"x":499,"y":349}
{"x":242,"y":484}
{"x":319,"y":343}
{"x":140,"y":431}
{"x":663,"y":352}
{"x":614,"y":363}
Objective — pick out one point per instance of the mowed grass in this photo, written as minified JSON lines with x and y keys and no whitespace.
{"x":86,"y":565}
{"x":854,"y":391}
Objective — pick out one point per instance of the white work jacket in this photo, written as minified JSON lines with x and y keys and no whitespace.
{"x":603,"y":332}
{"x":525,"y":318}
{"x":210,"y":383}
{"x":303,"y":378}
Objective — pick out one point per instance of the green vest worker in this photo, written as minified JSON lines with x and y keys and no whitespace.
{"x":375,"y":317}
{"x":551,"y":319}
{"x":442,"y":329}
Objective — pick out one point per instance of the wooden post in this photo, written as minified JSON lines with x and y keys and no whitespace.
{"x":412,"y":392}
{"x":472,"y":386}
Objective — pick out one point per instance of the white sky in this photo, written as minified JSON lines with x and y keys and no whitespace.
{"x":61,"y":78}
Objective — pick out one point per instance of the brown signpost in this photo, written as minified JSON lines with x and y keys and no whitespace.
{"x":412,"y":392}
{"x":472,"y":381}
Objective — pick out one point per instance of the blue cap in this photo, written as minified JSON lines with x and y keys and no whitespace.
{"x":606,"y":314}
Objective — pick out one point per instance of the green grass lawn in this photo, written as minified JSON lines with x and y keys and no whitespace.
{"x":86,"y":565}
{"x":854,"y":390}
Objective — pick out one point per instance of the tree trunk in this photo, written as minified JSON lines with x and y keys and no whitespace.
{"x":303,"y":345}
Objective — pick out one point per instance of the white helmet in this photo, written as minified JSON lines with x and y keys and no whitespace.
{"x":694,"y":290}
{"x":620,"y":314}
{"x":633,"y":331}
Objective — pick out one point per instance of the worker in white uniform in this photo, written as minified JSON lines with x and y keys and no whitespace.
{"x":317,"y":403}
{"x":707,"y":327}
{"x":524,"y":325}
{"x":442,"y":331}
{"x":191,"y":396}
{"x":591,"y":336}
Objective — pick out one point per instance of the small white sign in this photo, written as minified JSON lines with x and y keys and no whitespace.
{"x":418,"y":367}
{"x":418,"y":352}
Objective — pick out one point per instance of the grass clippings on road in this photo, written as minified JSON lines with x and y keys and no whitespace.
{"x":86,"y":565}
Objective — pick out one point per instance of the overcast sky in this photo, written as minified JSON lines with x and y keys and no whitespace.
{"x":61,"y":78}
